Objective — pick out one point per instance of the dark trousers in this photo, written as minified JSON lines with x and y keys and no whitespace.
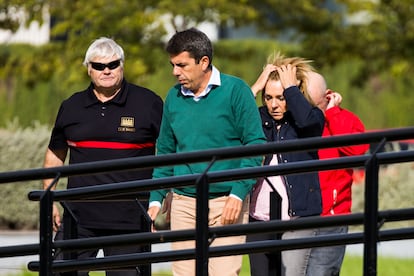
{"x":109,"y":251}
{"x":261,"y":263}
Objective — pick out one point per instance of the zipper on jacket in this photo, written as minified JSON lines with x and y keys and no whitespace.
{"x":283,"y":177}
{"x":334,"y":196}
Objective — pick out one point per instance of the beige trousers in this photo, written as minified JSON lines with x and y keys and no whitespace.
{"x":183,"y":216}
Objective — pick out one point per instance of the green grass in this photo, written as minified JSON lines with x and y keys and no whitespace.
{"x":386,"y":266}
{"x":353,"y":265}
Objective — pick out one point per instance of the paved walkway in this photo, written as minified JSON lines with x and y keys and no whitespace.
{"x":15,"y":265}
{"x":398,"y":249}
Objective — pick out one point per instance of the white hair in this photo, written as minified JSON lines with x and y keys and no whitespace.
{"x":105,"y":48}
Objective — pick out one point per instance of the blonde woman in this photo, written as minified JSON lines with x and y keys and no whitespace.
{"x":287,"y":113}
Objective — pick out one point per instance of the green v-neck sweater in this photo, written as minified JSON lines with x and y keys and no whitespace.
{"x":227,"y":116}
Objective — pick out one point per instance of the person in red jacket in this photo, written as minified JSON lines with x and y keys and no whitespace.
{"x":336,"y":185}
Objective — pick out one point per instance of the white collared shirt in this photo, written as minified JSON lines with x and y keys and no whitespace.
{"x":214,"y":81}
{"x":260,"y":200}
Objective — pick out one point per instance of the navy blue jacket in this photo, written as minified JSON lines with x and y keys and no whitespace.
{"x":300,"y":121}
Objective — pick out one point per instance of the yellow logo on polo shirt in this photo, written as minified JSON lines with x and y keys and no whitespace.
{"x":127,"y":124}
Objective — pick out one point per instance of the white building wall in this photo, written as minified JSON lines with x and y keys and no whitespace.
{"x":35,"y":34}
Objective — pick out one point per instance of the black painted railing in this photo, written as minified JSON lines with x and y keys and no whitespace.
{"x":370,"y":218}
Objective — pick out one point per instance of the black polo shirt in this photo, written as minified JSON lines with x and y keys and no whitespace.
{"x":126,"y":126}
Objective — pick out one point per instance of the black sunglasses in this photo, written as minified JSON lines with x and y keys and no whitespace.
{"x":101,"y":66}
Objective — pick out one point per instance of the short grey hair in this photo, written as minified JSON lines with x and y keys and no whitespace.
{"x":105,"y":48}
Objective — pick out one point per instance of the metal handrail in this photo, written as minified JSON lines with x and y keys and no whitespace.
{"x":145,"y":162}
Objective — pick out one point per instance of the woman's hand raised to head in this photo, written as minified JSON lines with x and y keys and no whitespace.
{"x":262,"y":79}
{"x":287,"y":74}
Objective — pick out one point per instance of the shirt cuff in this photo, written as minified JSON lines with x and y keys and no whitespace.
{"x":236,"y":197}
{"x":154,"y":203}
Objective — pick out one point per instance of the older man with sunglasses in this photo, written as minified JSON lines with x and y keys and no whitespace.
{"x":111,"y":119}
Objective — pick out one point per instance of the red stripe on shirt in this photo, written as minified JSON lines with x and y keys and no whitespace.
{"x":109,"y":145}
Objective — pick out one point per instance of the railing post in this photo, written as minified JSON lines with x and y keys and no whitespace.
{"x":202,"y":227}
{"x":371,"y":213}
{"x":46,"y":230}
{"x":70,"y":231}
{"x":202,"y":210}
{"x":145,"y":270}
{"x":275,"y":267}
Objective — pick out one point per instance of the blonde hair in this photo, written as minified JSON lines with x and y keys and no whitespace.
{"x":303,"y":67}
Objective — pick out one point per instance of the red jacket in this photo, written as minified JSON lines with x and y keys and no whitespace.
{"x":336,"y":184}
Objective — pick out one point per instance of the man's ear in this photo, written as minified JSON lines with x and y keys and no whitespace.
{"x":205,"y":62}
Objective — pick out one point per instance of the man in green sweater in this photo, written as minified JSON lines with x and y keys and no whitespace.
{"x":206,"y":109}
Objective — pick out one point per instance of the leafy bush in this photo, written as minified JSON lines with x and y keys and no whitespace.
{"x":396,"y":191}
{"x":21,"y":148}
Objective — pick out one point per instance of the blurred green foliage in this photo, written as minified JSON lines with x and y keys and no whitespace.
{"x":364,"y":48}
{"x":32,"y":92}
{"x":368,"y":62}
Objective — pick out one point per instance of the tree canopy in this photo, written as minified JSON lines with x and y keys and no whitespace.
{"x":378,"y":35}
{"x":381,"y":32}
{"x":331,"y":29}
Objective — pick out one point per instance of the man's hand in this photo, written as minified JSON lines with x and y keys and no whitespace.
{"x":152,"y":213}
{"x":56,"y":218}
{"x":231,"y":210}
{"x":334,"y":99}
